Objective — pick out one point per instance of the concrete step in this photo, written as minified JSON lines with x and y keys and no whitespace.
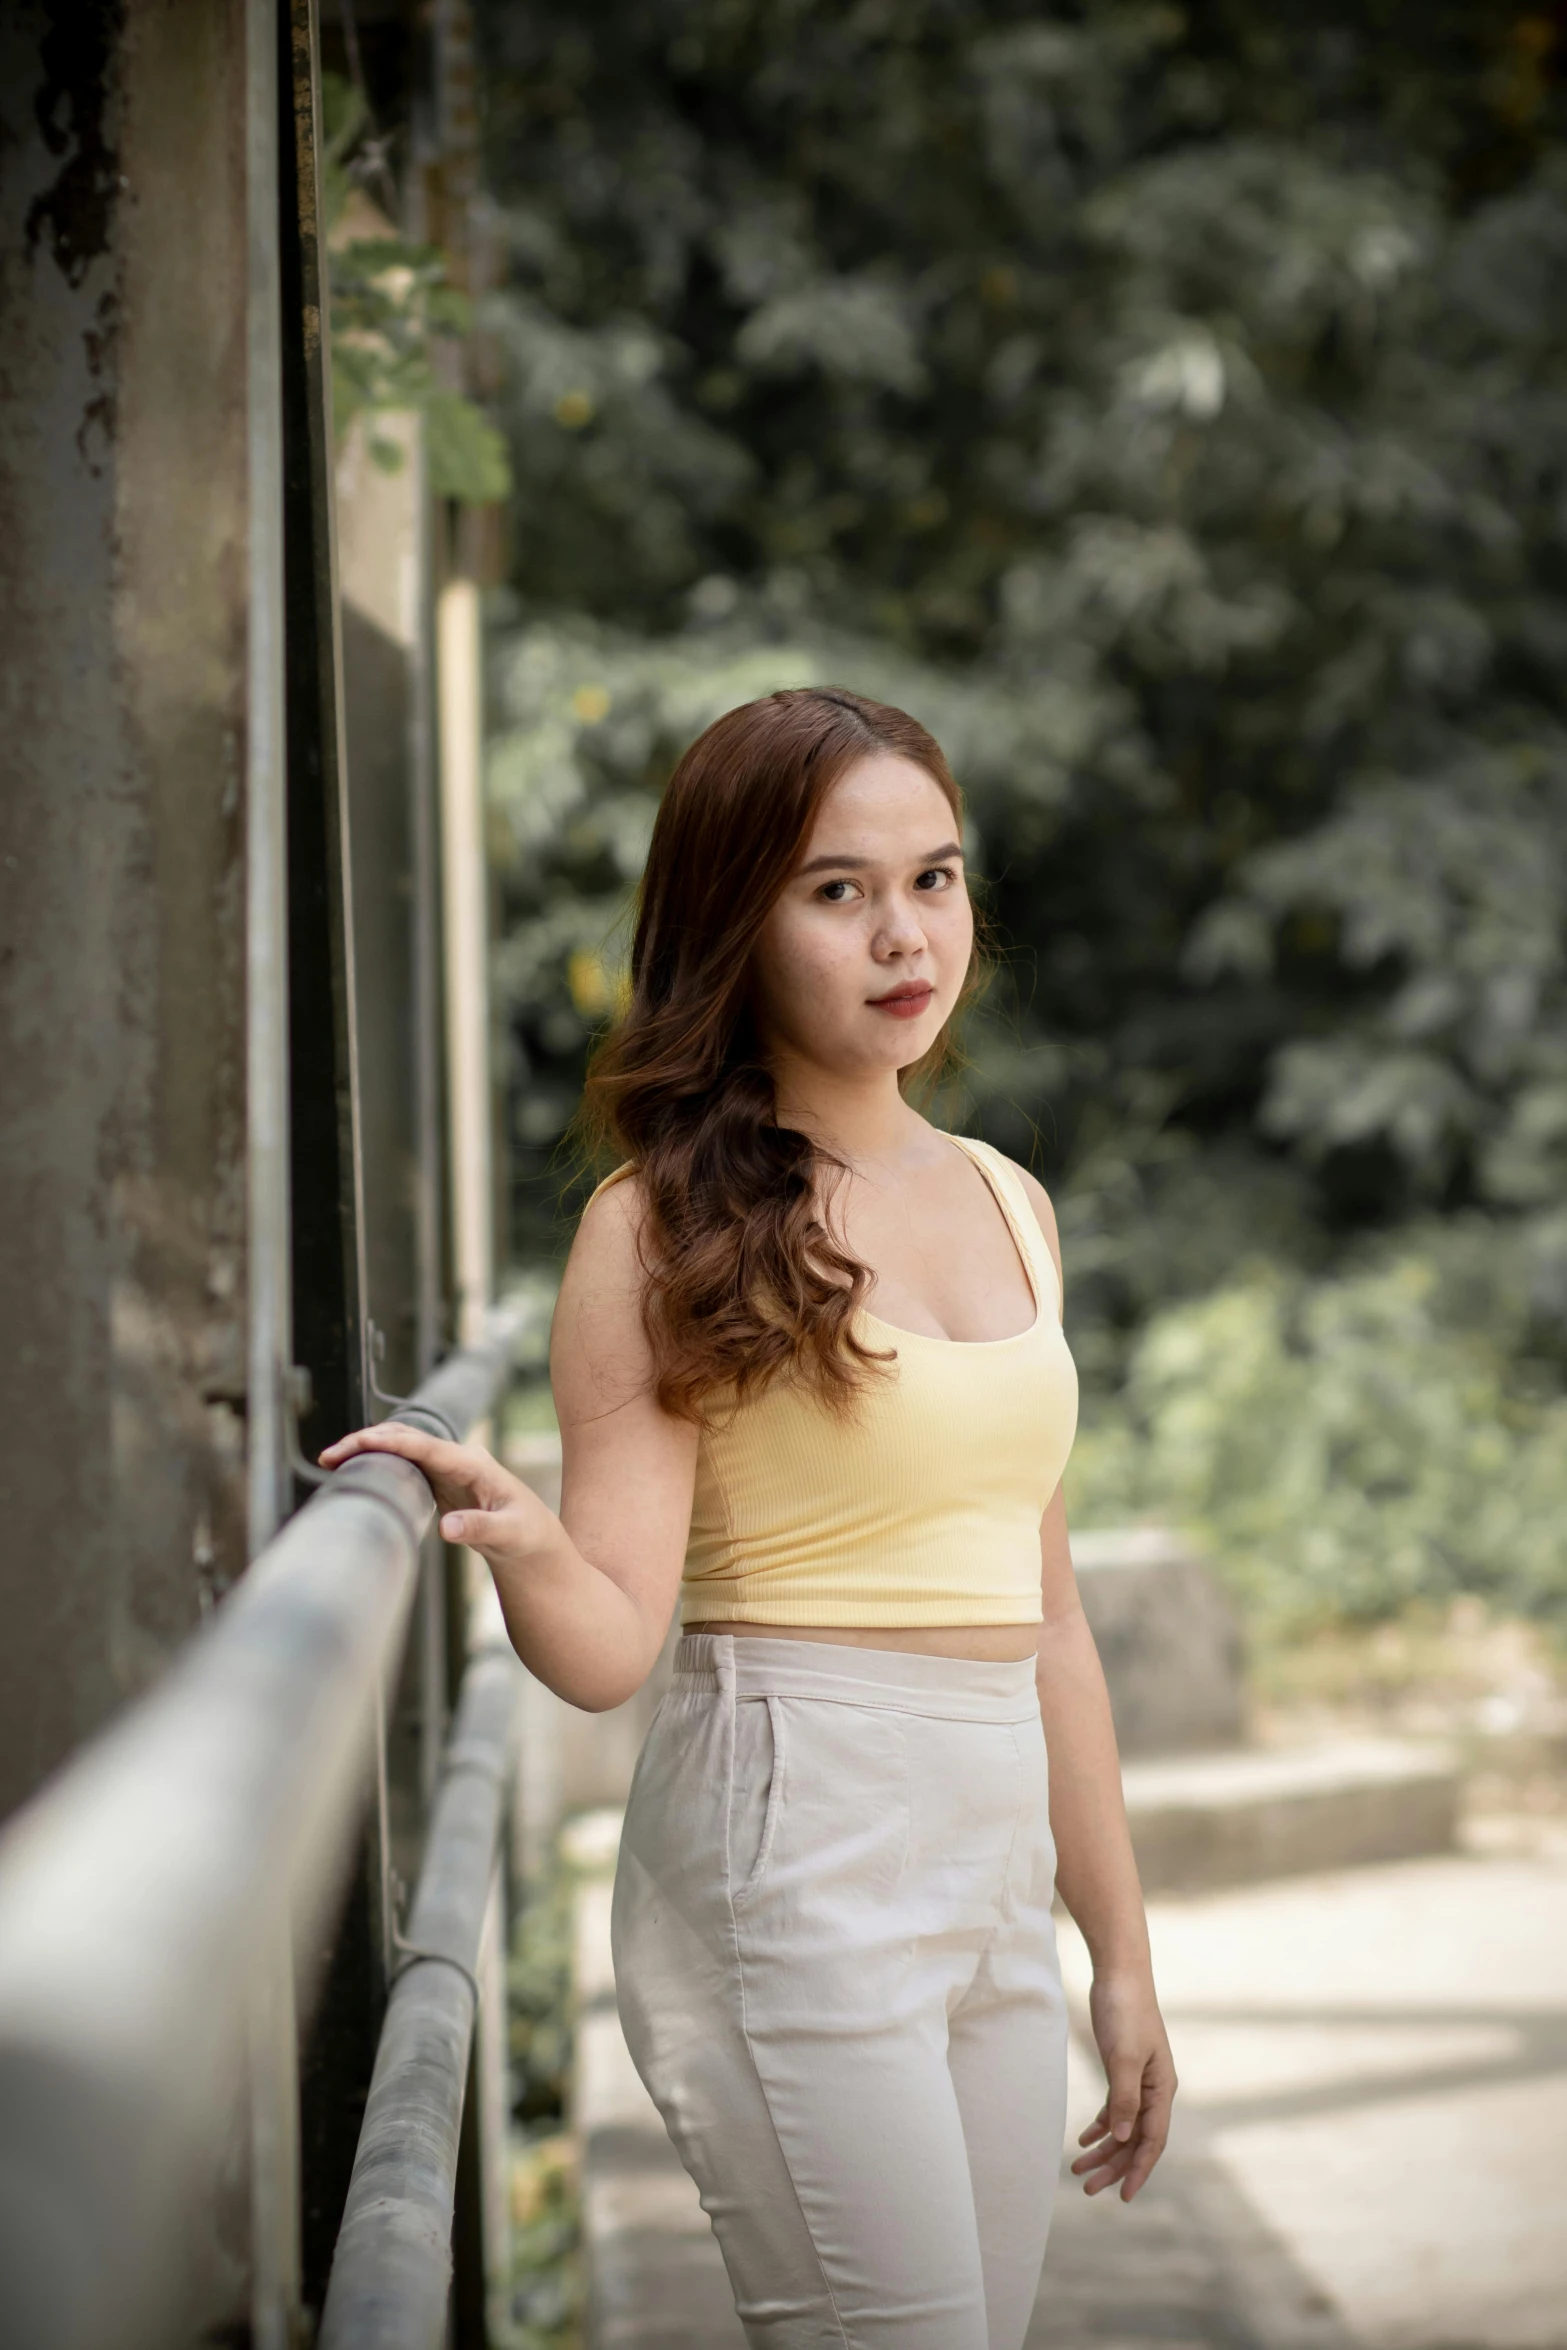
{"x":1235,"y":1818}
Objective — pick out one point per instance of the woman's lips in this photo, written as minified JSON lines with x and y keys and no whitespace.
{"x":904,"y":1003}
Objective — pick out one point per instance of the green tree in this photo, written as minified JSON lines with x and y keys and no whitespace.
{"x":393,"y":306}
{"x":1168,"y":404}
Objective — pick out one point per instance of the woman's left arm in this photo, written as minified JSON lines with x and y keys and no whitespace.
{"x":1095,"y":1870}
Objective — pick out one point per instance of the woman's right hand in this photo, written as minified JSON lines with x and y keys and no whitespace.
{"x":481,"y":1504}
{"x":587,"y":1623}
{"x":587,"y":1595}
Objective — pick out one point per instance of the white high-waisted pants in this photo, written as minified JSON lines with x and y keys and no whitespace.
{"x":837,"y":1974}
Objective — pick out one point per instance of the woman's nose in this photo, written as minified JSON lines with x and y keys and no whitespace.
{"x":901,"y":931}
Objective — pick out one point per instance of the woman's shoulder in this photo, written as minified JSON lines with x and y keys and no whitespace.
{"x":604,"y":1277}
{"x":599,"y":1350}
{"x":625,"y":1174}
{"x":611,"y":1221}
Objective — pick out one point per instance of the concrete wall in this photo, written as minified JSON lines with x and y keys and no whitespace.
{"x":122,"y":737}
{"x":1168,"y":1637}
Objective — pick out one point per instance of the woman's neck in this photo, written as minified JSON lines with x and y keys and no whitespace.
{"x":857,"y":1119}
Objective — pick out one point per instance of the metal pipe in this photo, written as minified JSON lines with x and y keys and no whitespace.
{"x":273,"y":2069}
{"x":460,"y":688}
{"x":141,"y":1890}
{"x":271,"y":1346}
{"x":391,"y":2273}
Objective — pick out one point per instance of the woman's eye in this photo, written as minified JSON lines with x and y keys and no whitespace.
{"x":835,"y":892}
{"x":935,"y":877}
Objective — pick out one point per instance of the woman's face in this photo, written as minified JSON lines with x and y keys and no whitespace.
{"x":861,"y":960}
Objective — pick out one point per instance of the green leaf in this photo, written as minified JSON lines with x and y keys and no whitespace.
{"x":467,"y":456}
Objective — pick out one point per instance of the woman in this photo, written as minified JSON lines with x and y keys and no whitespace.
{"x":810,"y":1375}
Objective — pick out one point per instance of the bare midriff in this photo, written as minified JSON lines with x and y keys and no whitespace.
{"x":983,"y":1643}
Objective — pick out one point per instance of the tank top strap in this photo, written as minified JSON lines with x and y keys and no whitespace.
{"x":1007,"y":1191}
{"x":616,"y":1175}
{"x":1014,"y":1203}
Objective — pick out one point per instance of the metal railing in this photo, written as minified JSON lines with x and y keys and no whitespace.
{"x":391,"y":2272}
{"x":152,"y":1894}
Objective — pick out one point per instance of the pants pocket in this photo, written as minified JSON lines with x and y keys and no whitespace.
{"x":755,"y":1794}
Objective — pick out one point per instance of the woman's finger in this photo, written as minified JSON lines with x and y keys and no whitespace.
{"x":1106,"y":2173}
{"x":480,"y":1529}
{"x":437,"y":1456}
{"x":1146,"y":2154}
{"x":412,"y":1444}
{"x":1131,"y":2162}
{"x":1124,"y":2102}
{"x":462,"y":1475}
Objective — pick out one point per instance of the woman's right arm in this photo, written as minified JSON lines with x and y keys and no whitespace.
{"x":587,"y":1596}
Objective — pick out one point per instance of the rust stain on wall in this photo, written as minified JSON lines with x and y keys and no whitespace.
{"x":72,"y":107}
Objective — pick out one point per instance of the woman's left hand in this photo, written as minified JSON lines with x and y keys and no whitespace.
{"x":1127,"y":2135}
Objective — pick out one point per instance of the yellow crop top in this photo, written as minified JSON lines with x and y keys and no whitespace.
{"x":924,"y":1506}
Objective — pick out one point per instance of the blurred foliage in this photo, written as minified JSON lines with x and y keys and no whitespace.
{"x":392,"y":305}
{"x":1169,"y":405}
{"x":1460,"y":1668}
{"x":546,"y":2283}
{"x":546,"y":2279}
{"x":1350,"y":1445}
{"x":538,"y":1985}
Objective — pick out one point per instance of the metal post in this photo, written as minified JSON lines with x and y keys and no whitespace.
{"x":329,"y":1278}
{"x":273,"y":2056}
{"x":460,"y":671}
{"x":266,"y":826}
{"x":326,"y":1159}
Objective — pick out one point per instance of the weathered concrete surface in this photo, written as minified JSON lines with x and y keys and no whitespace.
{"x":1168,"y":1638}
{"x":1232,"y":1819}
{"x":1374,"y":2067}
{"x":383,"y":575}
{"x":1190,"y":2263}
{"x":123,"y":496}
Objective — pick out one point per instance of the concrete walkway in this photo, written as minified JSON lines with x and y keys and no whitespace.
{"x":1372,"y":2148}
{"x":1374,"y":2099}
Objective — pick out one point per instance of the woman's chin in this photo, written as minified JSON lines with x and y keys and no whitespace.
{"x":904,"y":1043}
{"x":866,"y":1054}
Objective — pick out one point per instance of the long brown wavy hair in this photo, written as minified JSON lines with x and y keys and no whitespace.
{"x":744,"y":1277}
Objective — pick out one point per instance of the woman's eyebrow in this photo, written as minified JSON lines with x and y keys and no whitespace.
{"x":949,"y":848}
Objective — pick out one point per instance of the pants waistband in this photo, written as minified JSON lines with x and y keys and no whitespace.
{"x":948,"y":1688}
